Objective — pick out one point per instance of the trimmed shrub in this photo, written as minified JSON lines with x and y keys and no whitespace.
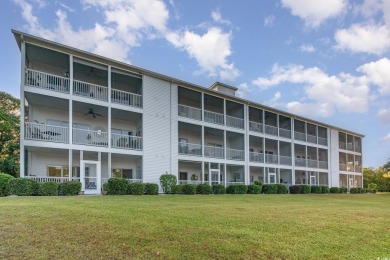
{"x":334,"y":190}
{"x":151,"y":189}
{"x":218,"y":189}
{"x":354,"y":190}
{"x":258,"y":182}
{"x":23,"y":187}
{"x":295,"y":189}
{"x":282,"y":189}
{"x":324,"y":189}
{"x":69,"y":188}
{"x":178,"y":189}
{"x":117,"y":186}
{"x":372,"y":188}
{"x":135,"y":188}
{"x":204,"y":189}
{"x":168,"y":182}
{"x":305,"y":189}
{"x":316,"y":189}
{"x":270,"y":189}
{"x":189,"y":189}
{"x":237,"y":189}
{"x":4,"y":184}
{"x":343,"y":190}
{"x":254,"y":189}
{"x":48,"y":189}
{"x":105,"y":185}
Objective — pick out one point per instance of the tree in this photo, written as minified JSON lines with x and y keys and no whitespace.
{"x":9,"y":134}
{"x":377,"y":176}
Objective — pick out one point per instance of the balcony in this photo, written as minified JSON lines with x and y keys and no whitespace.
{"x":48,"y":133}
{"x":190,"y":112}
{"x":89,"y":90}
{"x":190,"y":149}
{"x":343,"y":167}
{"x":126,"y":142}
{"x":358,"y":168}
{"x":255,"y":127}
{"x":284,"y":133}
{"x":322,"y":141}
{"x":322,"y":164}
{"x":214,"y":152}
{"x":300,"y":162}
{"x":234,"y":154}
{"x":271,"y":130}
{"x":213,"y":117}
{"x":350,"y":146}
{"x":311,"y":139}
{"x":342,"y":145}
{"x":299,"y":136}
{"x":46,"y":81}
{"x":90,"y":137}
{"x":312,"y":163}
{"x":271,"y":158}
{"x":235,"y":122}
{"x":285,"y":160}
{"x":256,"y":157}
{"x":126,"y":98}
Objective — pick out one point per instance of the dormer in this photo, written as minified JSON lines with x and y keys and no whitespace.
{"x":223,"y":88}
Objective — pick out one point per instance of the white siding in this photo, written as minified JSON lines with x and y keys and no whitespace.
{"x":156,"y":128}
{"x":38,"y":161}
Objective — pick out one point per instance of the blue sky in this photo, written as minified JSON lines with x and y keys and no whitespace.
{"x":326,"y":60}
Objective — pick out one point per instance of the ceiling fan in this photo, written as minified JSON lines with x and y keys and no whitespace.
{"x":92,"y":113}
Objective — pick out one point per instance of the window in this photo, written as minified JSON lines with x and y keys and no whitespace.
{"x":121,"y":132}
{"x":57,"y":123}
{"x":62,"y":171}
{"x":122,"y":173}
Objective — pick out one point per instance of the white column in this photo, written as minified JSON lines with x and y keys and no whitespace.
{"x":202,"y":136}
{"x":246,"y":144}
{"x":22,"y":72}
{"x":109,"y":165}
{"x":292,"y":152}
{"x":70,"y":164}
{"x":70,"y":134}
{"x":109,"y":107}
{"x":224,"y":172}
{"x":202,"y":96}
{"x":202,"y":172}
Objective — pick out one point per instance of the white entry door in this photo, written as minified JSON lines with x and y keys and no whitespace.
{"x":215,"y":177}
{"x":90,"y":177}
{"x":313,"y":181}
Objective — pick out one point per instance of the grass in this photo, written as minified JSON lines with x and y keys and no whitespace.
{"x":196,"y":227}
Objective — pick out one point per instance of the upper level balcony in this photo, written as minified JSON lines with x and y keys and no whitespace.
{"x":213,"y":110}
{"x":256,"y":122}
{"x":190,"y":103}
{"x":284,"y":126}
{"x":234,"y":114}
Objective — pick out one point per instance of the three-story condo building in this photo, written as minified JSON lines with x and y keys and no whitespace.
{"x":86,"y":117}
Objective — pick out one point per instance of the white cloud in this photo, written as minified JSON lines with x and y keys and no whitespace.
{"x":378,"y":73}
{"x":307,"y":48}
{"x":210,"y":50}
{"x":217,"y":17}
{"x":384,"y":115}
{"x":243,"y":90}
{"x":312,"y":109}
{"x":273,"y":102}
{"x":269,"y":21}
{"x":314,"y":13}
{"x":385,"y":139}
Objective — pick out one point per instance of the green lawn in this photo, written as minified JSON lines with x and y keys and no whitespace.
{"x":195,"y":227}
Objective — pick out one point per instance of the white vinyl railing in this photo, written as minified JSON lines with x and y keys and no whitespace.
{"x":358,"y":168}
{"x":350,"y":146}
{"x":256,"y":157}
{"x":126,"y":98}
{"x":271,"y":158}
{"x":322,"y":164}
{"x":47,"y":179}
{"x":271,"y":130}
{"x":46,"y":81}
{"x":189,"y":182}
{"x":311,"y":139}
{"x":228,"y":183}
{"x":322,"y":141}
{"x":342,"y":166}
{"x":213,"y":117}
{"x":214,"y":152}
{"x":235,"y":122}
{"x":312,"y":163}
{"x":300,"y":162}
{"x":190,"y":112}
{"x":299,"y":136}
{"x":284,"y":133}
{"x":126,"y":141}
{"x":190,"y":149}
{"x":234,"y":154}
{"x":43,"y":132}
{"x":358,"y":148}
{"x":85,"y":89}
{"x":90,"y":137}
{"x":342,"y":145}
{"x":285,"y":160}
{"x":256,"y":127}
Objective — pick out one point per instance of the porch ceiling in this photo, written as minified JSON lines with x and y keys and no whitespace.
{"x":46,"y":101}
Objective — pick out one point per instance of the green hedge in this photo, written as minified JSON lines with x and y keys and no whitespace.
{"x":270,"y":189}
{"x":334,"y":190}
{"x":4,"y":184}
{"x":189,"y":189}
{"x":69,"y":188}
{"x":316,"y":189}
{"x":295,"y":189}
{"x":237,"y":189}
{"x":48,"y":189}
{"x":168,"y":182}
{"x":305,"y":189}
{"x":178,"y":189}
{"x":324,"y":189}
{"x":135,"y":188}
{"x":117,"y":186}
{"x":343,"y":190}
{"x":258,"y":182}
{"x":282,"y":189}
{"x":204,"y":189}
{"x":23,"y":187}
{"x":151,"y":189}
{"x":219,"y":189}
{"x":254,"y":189}
{"x":357,"y":190}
